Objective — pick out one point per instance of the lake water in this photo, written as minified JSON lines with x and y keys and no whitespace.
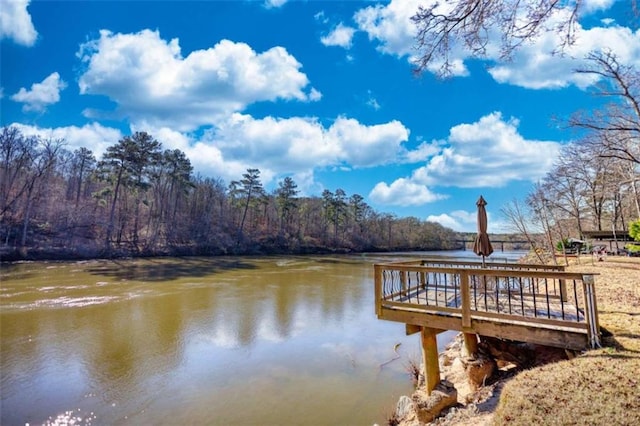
{"x":230,"y":341}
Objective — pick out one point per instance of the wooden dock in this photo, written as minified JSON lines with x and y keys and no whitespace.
{"x":539,"y":304}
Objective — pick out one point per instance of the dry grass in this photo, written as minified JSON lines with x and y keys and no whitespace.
{"x":599,"y":387}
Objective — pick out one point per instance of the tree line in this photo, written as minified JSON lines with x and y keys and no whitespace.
{"x":141,"y":199}
{"x":594,"y":184}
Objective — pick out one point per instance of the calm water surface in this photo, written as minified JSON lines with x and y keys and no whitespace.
{"x":269,"y":341}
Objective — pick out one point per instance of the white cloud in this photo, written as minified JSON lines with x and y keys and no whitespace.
{"x":372,"y":101}
{"x":285,"y":146}
{"x":365,"y":146}
{"x":487,"y":153}
{"x":292,"y":144}
{"x":314,"y":95}
{"x":15,"y":22}
{"x":392,"y":28}
{"x":445,"y":220}
{"x":295,"y":144}
{"x":534,"y":65}
{"x":92,"y":136}
{"x":464,"y":221}
{"x":151,"y":81}
{"x":423,"y":152}
{"x":341,"y":36}
{"x":590,"y":6}
{"x":403,"y":192}
{"x":321,"y":17}
{"x":272,"y":4}
{"x":459,"y":220}
{"x":390,"y":25}
{"x":205,"y":157}
{"x":41,"y":94}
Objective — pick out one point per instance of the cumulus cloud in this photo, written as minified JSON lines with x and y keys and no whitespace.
{"x":41,"y":94}
{"x":92,"y":136}
{"x":487,"y":153}
{"x":341,"y":36}
{"x":295,"y":144}
{"x":422,"y":152}
{"x":404,"y":192}
{"x":535,"y":65}
{"x":366,"y":146}
{"x":391,"y":27}
{"x":285,"y":146}
{"x":15,"y":22}
{"x":205,"y":157}
{"x":590,"y":6}
{"x":459,"y":220}
{"x":464,"y":221}
{"x":151,"y":81}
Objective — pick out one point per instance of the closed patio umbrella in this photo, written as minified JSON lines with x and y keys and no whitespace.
{"x":482,"y":245}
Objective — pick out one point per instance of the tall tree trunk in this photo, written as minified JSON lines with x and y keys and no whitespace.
{"x":111,"y":224}
{"x":27,"y":216}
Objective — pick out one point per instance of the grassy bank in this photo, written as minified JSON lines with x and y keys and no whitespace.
{"x":598,"y":387}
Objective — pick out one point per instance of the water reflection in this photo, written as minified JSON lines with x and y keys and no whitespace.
{"x":167,"y":269}
{"x":198,"y":337}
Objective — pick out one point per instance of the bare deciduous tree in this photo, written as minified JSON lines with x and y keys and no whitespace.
{"x":522,"y":221}
{"x":471,"y":24}
{"x":616,"y":126}
{"x":140,"y":200}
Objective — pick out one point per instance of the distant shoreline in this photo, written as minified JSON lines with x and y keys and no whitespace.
{"x":14,"y":255}
{"x":53,"y":254}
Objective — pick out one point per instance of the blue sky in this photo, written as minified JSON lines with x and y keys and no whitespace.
{"x":322,"y":91}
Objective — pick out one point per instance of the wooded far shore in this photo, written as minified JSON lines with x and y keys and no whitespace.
{"x":141,"y":200}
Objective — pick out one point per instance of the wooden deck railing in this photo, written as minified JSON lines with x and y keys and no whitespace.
{"x":501,"y":299}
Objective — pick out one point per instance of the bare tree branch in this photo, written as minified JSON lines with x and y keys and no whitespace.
{"x":616,"y":126}
{"x":471,"y":23}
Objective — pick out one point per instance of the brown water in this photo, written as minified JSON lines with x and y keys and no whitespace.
{"x":230,"y":341}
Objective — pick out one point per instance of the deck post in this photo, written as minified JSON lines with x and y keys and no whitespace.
{"x":403,"y":282}
{"x":430,"y":358}
{"x":563,"y":290}
{"x":470,"y":344}
{"x":378,"y":288}
{"x":470,"y":339}
{"x":591,"y":311}
{"x":423,"y":280}
{"x":466,"y":299}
